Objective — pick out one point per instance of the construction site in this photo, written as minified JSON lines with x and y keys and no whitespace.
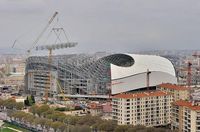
{"x":68,"y":74}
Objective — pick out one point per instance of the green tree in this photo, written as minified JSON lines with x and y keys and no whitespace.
{"x":47,"y":113}
{"x":1,"y":103}
{"x":56,"y":125}
{"x":48,"y":124}
{"x":108,"y":126}
{"x":30,"y":100}
{"x":42,"y":109}
{"x":9,"y":103}
{"x":78,"y":128}
{"x":33,"y":99}
{"x":73,"y":120}
{"x":33,"y":109}
{"x":122,"y":128}
{"x":19,"y":105}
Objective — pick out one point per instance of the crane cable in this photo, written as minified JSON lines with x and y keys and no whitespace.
{"x":42,"y":33}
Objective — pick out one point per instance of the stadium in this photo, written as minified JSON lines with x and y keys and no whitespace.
{"x":96,"y":74}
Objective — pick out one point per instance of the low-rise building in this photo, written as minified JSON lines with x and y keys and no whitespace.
{"x":146,"y":108}
{"x":95,"y":109}
{"x":185,"y":116}
{"x":179,"y":92}
{"x":76,"y":112}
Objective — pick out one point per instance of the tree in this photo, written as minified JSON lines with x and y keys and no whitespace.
{"x":33,"y":109}
{"x":56,"y":125}
{"x":9,"y":103}
{"x":28,"y":119}
{"x":108,"y":126}
{"x":33,"y":99}
{"x":48,"y":124}
{"x":57,"y":116}
{"x":122,"y":128}
{"x":40,"y":121}
{"x":30,"y":100}
{"x":1,"y":103}
{"x":18,"y":115}
{"x":89,"y":120}
{"x":42,"y":109}
{"x":83,"y":128}
{"x":19,"y":105}
{"x":73,"y":120}
{"x":136,"y":128}
{"x":47,"y":113}
{"x":62,"y":127}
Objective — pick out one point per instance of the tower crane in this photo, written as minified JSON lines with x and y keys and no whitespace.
{"x":39,"y":36}
{"x":50,"y":48}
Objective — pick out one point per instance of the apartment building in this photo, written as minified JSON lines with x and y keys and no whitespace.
{"x":179,"y":92}
{"x":185,"y":116}
{"x":146,"y":108}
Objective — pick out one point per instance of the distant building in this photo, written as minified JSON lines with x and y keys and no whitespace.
{"x":179,"y":92}
{"x":95,"y":109}
{"x":185,"y":116}
{"x":76,"y":112}
{"x":146,"y":108}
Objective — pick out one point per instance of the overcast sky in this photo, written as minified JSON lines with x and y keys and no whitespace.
{"x":105,"y":25}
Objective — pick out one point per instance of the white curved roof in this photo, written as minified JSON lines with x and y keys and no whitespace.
{"x":134,"y":77}
{"x":142,"y":63}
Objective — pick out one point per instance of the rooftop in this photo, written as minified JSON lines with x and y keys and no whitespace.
{"x":95,"y":106}
{"x":187,"y":104}
{"x":173,"y":86}
{"x":141,"y":95}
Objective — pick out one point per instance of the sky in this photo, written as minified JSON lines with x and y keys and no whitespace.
{"x":103,"y":25}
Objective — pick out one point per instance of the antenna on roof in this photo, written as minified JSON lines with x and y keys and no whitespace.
{"x":148,"y":78}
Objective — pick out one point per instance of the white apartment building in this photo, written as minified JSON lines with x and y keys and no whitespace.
{"x":179,"y":92}
{"x":185,"y":116}
{"x":146,"y":108}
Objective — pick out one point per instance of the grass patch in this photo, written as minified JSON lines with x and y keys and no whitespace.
{"x":7,"y":130}
{"x":15,"y":127}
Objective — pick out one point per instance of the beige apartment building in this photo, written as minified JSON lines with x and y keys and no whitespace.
{"x":185,"y":116}
{"x":146,"y":108}
{"x":179,"y":92}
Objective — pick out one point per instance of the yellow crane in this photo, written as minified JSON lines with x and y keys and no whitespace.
{"x":61,"y":90}
{"x":50,"y":48}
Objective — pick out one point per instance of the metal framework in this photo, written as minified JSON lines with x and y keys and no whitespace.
{"x":77,"y":73}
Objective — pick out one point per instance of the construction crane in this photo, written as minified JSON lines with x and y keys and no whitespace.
{"x":43,"y":31}
{"x":39,"y":36}
{"x":61,"y":90}
{"x":50,"y":48}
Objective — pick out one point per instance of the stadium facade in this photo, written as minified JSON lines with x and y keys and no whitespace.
{"x":95,"y":74}
{"x":134,"y":77}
